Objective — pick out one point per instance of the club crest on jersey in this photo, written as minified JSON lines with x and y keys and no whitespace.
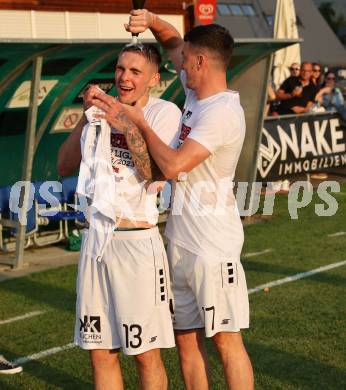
{"x":185,"y":130}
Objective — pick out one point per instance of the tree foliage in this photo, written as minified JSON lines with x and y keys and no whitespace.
{"x":336,"y":22}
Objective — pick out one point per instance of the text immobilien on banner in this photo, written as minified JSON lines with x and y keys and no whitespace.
{"x":293,"y":146}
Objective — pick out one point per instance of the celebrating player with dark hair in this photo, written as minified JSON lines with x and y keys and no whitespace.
{"x":204,"y":229}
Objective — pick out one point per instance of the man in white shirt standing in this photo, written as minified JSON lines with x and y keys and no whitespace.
{"x":123,"y":297}
{"x":204,"y":230}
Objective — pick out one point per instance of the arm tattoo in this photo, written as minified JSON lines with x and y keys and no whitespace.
{"x":145,"y":165}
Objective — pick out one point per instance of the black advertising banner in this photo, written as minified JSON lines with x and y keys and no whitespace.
{"x":295,"y":145}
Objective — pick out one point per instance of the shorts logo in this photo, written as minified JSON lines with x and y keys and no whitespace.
{"x":90,"y":324}
{"x":225,"y":321}
{"x":153,"y":339}
{"x":90,"y":329}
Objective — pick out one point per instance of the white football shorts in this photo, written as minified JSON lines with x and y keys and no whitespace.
{"x":123,"y":300}
{"x":209,"y":292}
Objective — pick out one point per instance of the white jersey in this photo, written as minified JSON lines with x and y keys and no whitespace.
{"x":204,"y":213}
{"x":134,"y":202}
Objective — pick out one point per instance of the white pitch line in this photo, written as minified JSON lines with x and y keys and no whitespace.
{"x":252,"y":254}
{"x":22,"y":317}
{"x":296,"y":277}
{"x":43,"y":354}
{"x":278,"y":282}
{"x":337,"y":234}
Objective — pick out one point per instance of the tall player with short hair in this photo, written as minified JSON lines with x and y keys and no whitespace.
{"x":123,"y":300}
{"x":204,"y":229}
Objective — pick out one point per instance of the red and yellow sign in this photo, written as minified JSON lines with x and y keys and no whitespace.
{"x":205,"y":11}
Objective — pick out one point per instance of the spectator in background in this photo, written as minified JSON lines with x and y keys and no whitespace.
{"x":316,"y":76}
{"x":297,"y":94}
{"x":330,"y":97}
{"x":272,"y":100}
{"x":295,"y":73}
{"x":295,"y":69}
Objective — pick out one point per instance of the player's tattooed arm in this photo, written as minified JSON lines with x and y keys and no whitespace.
{"x":116,"y":116}
{"x":145,"y":165}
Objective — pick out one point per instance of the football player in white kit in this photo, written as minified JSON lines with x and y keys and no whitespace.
{"x":123,"y":300}
{"x":204,"y":229}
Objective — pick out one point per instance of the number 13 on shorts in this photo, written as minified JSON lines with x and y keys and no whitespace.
{"x":133,"y":335}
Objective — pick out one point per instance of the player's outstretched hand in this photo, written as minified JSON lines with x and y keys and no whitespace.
{"x":139,"y":21}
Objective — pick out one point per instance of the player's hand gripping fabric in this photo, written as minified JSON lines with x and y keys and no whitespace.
{"x":89,"y":94}
{"x":139,"y":21}
{"x":119,"y":116}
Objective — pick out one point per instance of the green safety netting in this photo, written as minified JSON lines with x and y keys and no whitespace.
{"x":67,"y":68}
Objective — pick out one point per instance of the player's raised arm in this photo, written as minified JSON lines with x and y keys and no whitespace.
{"x":166,"y":34}
{"x":69,"y":155}
{"x":171,"y":162}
